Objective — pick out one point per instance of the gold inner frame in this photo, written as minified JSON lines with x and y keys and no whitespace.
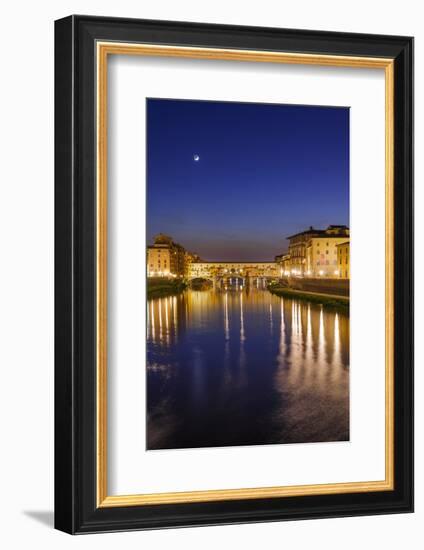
{"x":104,"y":49}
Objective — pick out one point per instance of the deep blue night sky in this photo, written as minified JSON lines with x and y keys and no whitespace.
{"x":264,"y":172}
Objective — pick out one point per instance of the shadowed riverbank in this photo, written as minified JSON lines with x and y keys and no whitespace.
{"x":159,"y":287}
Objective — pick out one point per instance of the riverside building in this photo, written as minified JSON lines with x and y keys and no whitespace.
{"x":343,"y":260}
{"x":165,"y":258}
{"x":322,"y":256}
{"x":313,"y":253}
{"x":296,"y":263}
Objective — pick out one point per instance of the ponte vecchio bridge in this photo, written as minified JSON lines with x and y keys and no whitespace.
{"x":247,"y":272}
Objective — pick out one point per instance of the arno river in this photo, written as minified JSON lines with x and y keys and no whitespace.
{"x":245,"y":367}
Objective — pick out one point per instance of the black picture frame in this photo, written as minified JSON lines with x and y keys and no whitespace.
{"x":76,"y":510}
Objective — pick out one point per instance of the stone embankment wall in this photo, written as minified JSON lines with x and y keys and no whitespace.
{"x":337,"y":287}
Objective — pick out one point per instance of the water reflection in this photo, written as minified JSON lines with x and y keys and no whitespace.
{"x":242,"y":367}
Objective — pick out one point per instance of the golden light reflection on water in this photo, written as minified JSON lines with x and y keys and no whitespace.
{"x":314,"y":331}
{"x":246,"y":352}
{"x":313,"y":383}
{"x":227,"y":320}
{"x":242,"y":335}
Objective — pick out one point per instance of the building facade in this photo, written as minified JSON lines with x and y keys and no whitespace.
{"x":165,"y":258}
{"x":189,"y":259}
{"x":313,"y":253}
{"x":283,"y":262}
{"x":297,"y":251}
{"x":322,"y":256}
{"x":343,"y":260}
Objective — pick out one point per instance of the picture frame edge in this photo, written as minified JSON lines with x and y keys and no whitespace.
{"x":75,"y":508}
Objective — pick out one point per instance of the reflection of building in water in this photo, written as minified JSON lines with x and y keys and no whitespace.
{"x":166,"y":319}
{"x":245,"y":367}
{"x":312,"y":375}
{"x":242,"y":334}
{"x":226,"y":318}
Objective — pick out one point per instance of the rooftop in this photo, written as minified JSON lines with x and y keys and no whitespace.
{"x":306,"y":232}
{"x":330,"y":236}
{"x":337,"y":227}
{"x":312,"y":231}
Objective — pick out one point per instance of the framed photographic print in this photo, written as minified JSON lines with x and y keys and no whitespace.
{"x":234,"y":270}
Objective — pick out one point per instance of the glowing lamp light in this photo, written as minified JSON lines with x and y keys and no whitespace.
{"x":336,"y":272}
{"x":321,"y":272}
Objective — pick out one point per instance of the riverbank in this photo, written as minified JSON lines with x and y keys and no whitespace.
{"x":328,"y":300}
{"x":159,"y":287}
{"x":200,"y":284}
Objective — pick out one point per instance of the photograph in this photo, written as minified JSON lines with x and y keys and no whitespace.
{"x":224,"y":353}
{"x":248,"y":274}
